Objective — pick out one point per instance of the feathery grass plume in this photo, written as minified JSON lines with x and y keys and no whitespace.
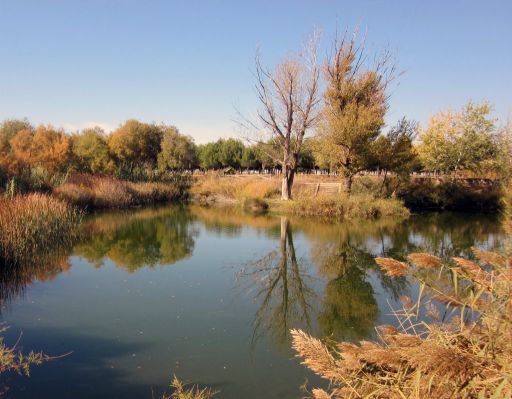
{"x":317,"y":356}
{"x":425,"y":260}
{"x":392,"y":267}
{"x":464,"y":354}
{"x":489,"y":258}
{"x":180,"y":391}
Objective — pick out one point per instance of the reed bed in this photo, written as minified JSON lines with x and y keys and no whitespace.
{"x":97,"y":192}
{"x":35,"y":223}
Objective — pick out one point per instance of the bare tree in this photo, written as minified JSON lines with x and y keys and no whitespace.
{"x":288,"y":96}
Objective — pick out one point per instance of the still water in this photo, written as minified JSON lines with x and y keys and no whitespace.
{"x":209,"y":295}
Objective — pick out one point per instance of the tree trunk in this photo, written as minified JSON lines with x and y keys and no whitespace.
{"x":287,"y":183}
{"x":348,"y":184}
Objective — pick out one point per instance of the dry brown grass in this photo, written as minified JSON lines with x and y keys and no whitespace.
{"x":237,"y":188}
{"x":465,"y":353}
{"x":34,"y":223}
{"x":95,"y":192}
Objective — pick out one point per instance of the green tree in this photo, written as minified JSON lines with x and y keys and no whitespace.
{"x":355,"y":105}
{"x":178,"y":152}
{"x":394,"y":152}
{"x":250,"y":158}
{"x":458,"y":141}
{"x":208,"y":155}
{"x":91,"y":153}
{"x":230,"y":153}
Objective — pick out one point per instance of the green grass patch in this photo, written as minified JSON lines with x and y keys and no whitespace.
{"x":343,"y":207}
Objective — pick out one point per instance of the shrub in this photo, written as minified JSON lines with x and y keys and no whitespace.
{"x":34,"y":223}
{"x":458,"y":195}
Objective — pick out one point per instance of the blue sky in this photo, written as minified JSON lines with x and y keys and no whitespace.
{"x":189,"y":63}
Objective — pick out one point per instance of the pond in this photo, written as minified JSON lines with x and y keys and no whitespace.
{"x":210,"y":295}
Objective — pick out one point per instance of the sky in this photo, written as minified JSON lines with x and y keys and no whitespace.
{"x":76,"y":64}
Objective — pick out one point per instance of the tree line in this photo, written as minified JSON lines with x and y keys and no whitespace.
{"x":325,"y":115}
{"x":451,"y":142}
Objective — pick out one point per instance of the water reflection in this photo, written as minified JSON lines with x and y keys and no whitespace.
{"x":283,"y":289}
{"x":289,"y":272}
{"x":133,"y":240}
{"x":16,"y":277}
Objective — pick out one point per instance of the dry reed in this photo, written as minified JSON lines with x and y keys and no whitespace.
{"x":180,"y":391}
{"x":95,"y":192}
{"x":34,"y":223}
{"x":461,"y":352}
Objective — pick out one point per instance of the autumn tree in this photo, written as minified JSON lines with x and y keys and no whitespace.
{"x":135,"y":145}
{"x":178,"y":152}
{"x":47,"y":147}
{"x":288,"y":96}
{"x":91,"y":153}
{"x":355,"y":103}
{"x":8,"y":129}
{"x":460,"y":141}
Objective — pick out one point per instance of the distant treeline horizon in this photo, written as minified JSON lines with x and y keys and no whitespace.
{"x":141,"y":149}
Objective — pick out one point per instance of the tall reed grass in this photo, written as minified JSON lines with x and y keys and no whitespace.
{"x":96,"y":192}
{"x":34,"y":223}
{"x":453,"y":341}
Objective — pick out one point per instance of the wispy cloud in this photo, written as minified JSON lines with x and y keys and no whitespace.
{"x":73,"y":127}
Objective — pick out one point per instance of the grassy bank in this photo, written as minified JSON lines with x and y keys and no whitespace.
{"x":96,"y":192}
{"x":254,"y":191}
{"x":34,"y":223}
{"x":343,"y":207}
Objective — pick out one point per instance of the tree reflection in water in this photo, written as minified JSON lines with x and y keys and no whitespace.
{"x":283,"y":290}
{"x":16,"y":277}
{"x":133,"y":240}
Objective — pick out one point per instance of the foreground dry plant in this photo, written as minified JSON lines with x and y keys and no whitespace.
{"x":455,"y":341}
{"x":180,"y":391}
{"x":11,"y":359}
